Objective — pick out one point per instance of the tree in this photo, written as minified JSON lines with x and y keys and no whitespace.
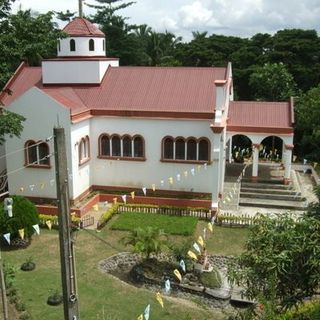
{"x":281,"y":260}
{"x":307,"y":113}
{"x":272,"y":82}
{"x":146,"y":241}
{"x":10,"y":124}
{"x":24,"y":216}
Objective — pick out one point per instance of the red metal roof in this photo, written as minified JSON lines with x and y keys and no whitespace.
{"x":255,"y":114}
{"x":80,"y":27}
{"x":131,"y":89}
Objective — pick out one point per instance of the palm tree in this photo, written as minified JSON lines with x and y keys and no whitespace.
{"x":146,"y":241}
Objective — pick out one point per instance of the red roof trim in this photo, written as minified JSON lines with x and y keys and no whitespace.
{"x":22,"y":65}
{"x":82,"y":58}
{"x":86,"y":35}
{"x":260,"y":129}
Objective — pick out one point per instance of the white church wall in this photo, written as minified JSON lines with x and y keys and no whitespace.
{"x":82,"y":47}
{"x":81,"y":173}
{"x":42,"y":113}
{"x":136,"y":174}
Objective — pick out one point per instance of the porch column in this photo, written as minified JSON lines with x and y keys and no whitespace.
{"x":222,"y":162}
{"x":230,"y":150}
{"x":255,"y":161}
{"x":287,"y":163}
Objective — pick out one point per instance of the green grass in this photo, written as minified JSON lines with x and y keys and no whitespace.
{"x":100,"y":293}
{"x":169,"y":224}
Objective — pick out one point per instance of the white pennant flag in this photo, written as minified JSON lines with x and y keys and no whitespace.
{"x":167,"y":286}
{"x":183,"y":266}
{"x":305,"y":161}
{"x":31,"y":186}
{"x":204,"y":233}
{"x":36,"y":228}
{"x":105,"y":203}
{"x":124,"y":198}
{"x":196,"y":247}
{"x":205,"y":166}
{"x":51,"y":182}
{"x":178,"y":177}
{"x":192,"y":171}
{"x":144,"y":189}
{"x":7,"y":237}
{"x":147,"y":312}
{"x":162,"y":183}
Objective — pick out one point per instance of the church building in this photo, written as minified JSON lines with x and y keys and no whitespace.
{"x":127,"y":128}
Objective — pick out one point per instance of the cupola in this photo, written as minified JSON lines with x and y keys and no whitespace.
{"x":81,"y":56}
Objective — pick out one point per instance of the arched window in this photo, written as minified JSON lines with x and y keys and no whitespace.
{"x":180,"y":149}
{"x":138,"y":147}
{"x":84,"y":150}
{"x":59,"y":46}
{"x":37,"y":154}
{"x":127,"y":146}
{"x":168,"y":148}
{"x":104,"y":145}
{"x":72,"y":45}
{"x":192,"y":149}
{"x":116,"y":146}
{"x":203,"y":150}
{"x":91,"y":45}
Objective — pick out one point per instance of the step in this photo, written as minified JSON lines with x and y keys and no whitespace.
{"x":268,"y":196}
{"x":258,"y":185}
{"x":278,"y":204}
{"x":271,"y":191}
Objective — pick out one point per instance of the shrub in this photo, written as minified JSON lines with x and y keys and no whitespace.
{"x":25,"y":215}
{"x":107,"y":215}
{"x":54,"y":220}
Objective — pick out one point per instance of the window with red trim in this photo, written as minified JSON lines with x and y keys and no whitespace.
{"x":37,"y":154}
{"x":84,"y":150}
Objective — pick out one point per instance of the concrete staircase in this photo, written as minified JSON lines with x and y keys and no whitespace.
{"x":272,"y":194}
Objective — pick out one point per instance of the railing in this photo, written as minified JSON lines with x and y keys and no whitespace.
{"x":3,"y":181}
{"x":244,"y":220}
{"x":201,"y":213}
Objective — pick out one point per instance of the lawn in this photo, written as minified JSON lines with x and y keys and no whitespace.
{"x":169,"y":224}
{"x":101,"y":293}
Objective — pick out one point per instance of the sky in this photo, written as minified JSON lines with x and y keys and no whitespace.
{"x":242,"y":18}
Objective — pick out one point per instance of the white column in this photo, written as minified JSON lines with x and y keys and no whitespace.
{"x":255,"y":161}
{"x":287,"y":165}
{"x":222,"y":161}
{"x":283,"y":153}
{"x":230,"y":150}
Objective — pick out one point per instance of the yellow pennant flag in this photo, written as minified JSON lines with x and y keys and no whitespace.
{"x":115,"y":200}
{"x":21,"y":233}
{"x":95,"y":207}
{"x":210,"y":226}
{"x":315,"y":164}
{"x":170,"y":180}
{"x":140,"y":317}
{"x":192,"y":255}
{"x":159,"y":298}
{"x":49,"y":224}
{"x":177,"y":274}
{"x":42,"y":186}
{"x":185,"y":173}
{"x":22,"y":189}
{"x":153,"y":187}
{"x":200,"y":241}
{"x":132,"y":194}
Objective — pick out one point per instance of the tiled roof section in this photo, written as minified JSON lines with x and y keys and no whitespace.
{"x":256,"y":114}
{"x":80,"y":27}
{"x":132,"y":89}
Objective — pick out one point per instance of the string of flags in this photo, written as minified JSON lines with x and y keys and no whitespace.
{"x":7,"y":236}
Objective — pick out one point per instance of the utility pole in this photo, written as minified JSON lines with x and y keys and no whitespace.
{"x":80,"y":9}
{"x":3,"y":292}
{"x":68,"y":271}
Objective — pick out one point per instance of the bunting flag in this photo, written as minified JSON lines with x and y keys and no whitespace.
{"x":213,"y":219}
{"x":51,"y":182}
{"x":178,"y":177}
{"x":144,"y":190}
{"x":159,"y":299}
{"x":22,"y":189}
{"x":185,"y":173}
{"x":305,"y":161}
{"x":147,"y":312}
{"x":140,"y":317}
{"x":210,"y":227}
{"x":162,"y":183}
{"x":199,"y":167}
{"x":294,"y":158}
{"x":42,"y":185}
{"x":95,"y":207}
{"x":21,"y":233}
{"x":205,"y":166}
{"x":115,"y":200}
{"x":196,"y":247}
{"x":31,"y":186}
{"x":192,"y":171}
{"x":132,"y":194}
{"x":192,"y":255}
{"x":224,"y":201}
{"x":7,"y":237}
{"x":153,"y":186}
{"x":170,"y":180}
{"x":49,"y":224}
{"x":105,"y":203}
{"x":177,"y":274}
{"x":183,"y":266}
{"x":167,"y":286}
{"x":36,"y":228}
{"x":204,"y":233}
{"x":315,"y":164}
{"x":200,"y":241}
{"x":124,"y":198}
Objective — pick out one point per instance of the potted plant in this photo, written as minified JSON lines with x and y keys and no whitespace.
{"x":55,"y":298}
{"x":28,"y":265}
